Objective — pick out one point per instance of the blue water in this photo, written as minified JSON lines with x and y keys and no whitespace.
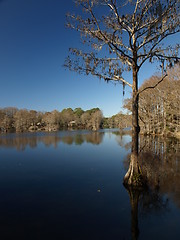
{"x":68,"y":185}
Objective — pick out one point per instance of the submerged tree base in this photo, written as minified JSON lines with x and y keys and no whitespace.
{"x":134,"y":176}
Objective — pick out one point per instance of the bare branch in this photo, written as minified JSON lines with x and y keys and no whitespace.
{"x":124,"y":36}
{"x":121,"y":21}
{"x":151,"y":87}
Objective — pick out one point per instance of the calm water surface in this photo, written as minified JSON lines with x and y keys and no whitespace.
{"x":68,"y":185}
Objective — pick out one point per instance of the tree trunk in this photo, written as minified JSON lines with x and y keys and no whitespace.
{"x":165,"y":118}
{"x":133,"y":176}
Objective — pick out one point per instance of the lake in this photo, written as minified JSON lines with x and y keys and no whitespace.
{"x":68,"y":185}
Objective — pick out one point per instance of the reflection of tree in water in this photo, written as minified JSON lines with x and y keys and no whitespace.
{"x":152,"y":201}
{"x":121,"y":140}
{"x":67,"y":139}
{"x":94,"y":137}
{"x":21,"y":141}
{"x":160,"y":161}
{"x":18,"y":142}
{"x":134,"y":201}
{"x":146,"y":201}
{"x":78,"y":139}
{"x":160,"y":164}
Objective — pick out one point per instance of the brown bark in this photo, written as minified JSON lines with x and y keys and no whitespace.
{"x":133,"y":176}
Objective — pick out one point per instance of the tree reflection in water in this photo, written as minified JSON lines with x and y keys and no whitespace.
{"x":21,"y":141}
{"x":160,"y":164}
{"x":146,"y":201}
{"x":159,"y":159}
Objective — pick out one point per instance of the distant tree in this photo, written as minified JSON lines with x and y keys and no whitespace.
{"x":78,"y":112}
{"x":105,"y":122}
{"x":33,"y":119}
{"x":96,"y":120}
{"x":93,"y":110}
{"x":7,"y":118}
{"x":92,"y":119}
{"x":122,"y":36}
{"x":85,"y":119}
{"x":77,"y":117}
{"x":21,"y":120}
{"x":122,"y":120}
{"x":56,"y":119}
{"x":5,"y":122}
{"x":67,"y":115}
{"x":51,"y":121}
{"x":119,"y":120}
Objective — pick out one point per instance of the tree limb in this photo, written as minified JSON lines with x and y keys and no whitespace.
{"x":151,"y":87}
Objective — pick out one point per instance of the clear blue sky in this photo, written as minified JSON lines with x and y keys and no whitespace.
{"x":33,"y":45}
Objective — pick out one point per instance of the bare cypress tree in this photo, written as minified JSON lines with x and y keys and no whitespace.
{"x":122,"y":36}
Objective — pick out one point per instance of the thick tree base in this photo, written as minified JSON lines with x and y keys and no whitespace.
{"x":134,"y":176}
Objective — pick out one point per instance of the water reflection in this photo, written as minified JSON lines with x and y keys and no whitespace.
{"x":73,"y":186}
{"x":160,"y":160}
{"x":21,"y":141}
{"x":160,"y":163}
{"x":144,"y":203}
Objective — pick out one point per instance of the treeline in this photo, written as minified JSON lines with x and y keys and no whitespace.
{"x":119,"y":120}
{"x":159,"y":107}
{"x":23,"y":120}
